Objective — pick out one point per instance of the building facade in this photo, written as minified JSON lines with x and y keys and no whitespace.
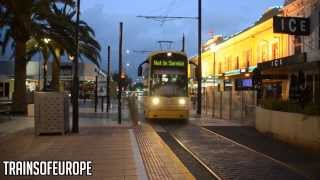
{"x":87,"y":76}
{"x":288,"y":65}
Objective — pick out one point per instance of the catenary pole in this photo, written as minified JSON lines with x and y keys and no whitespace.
{"x":108,"y":80}
{"x":199,"y":75}
{"x":75,"y":79}
{"x":120,"y":74}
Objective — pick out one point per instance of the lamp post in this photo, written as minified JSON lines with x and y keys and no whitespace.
{"x":75,"y":78}
{"x":45,"y":63}
{"x":108,"y":80}
{"x":120,"y":73}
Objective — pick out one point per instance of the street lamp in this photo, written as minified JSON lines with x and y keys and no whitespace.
{"x":45,"y":63}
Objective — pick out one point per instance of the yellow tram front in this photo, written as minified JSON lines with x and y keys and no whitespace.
{"x":166,"y":80}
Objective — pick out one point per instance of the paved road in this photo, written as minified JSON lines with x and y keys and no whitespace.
{"x":308,"y":163}
{"x":229,"y":160}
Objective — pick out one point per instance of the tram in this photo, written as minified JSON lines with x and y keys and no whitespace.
{"x":165,"y":75}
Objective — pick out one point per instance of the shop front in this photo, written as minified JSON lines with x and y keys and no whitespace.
{"x":290,"y":78}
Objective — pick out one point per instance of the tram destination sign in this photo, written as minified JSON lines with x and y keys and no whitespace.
{"x":291,"y":25}
{"x":168,"y":63}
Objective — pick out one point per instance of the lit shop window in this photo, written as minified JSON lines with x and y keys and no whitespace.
{"x":220,"y":68}
{"x":248,"y":59}
{"x":275,"y":50}
{"x":264,"y":52}
{"x":236,"y":63}
{"x":228,"y":63}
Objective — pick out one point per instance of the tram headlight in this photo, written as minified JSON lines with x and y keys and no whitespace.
{"x":155,"y":101}
{"x":182,"y":101}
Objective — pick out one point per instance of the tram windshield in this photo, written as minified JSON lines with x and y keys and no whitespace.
{"x":169,"y":84}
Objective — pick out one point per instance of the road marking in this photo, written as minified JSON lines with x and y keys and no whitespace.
{"x":137,"y":157}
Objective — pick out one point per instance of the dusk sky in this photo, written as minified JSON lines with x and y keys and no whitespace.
{"x":220,"y":17}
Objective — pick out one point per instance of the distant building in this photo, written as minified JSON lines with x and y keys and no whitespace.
{"x":87,"y":74}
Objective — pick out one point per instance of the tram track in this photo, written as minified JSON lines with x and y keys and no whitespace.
{"x":225,"y":170}
{"x":194,"y":163}
{"x":209,"y":155}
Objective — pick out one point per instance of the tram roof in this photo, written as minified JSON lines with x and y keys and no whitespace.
{"x":160,"y":52}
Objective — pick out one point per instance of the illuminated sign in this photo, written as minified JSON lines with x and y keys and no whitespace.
{"x":233,"y":72}
{"x":168,"y":63}
{"x":291,"y":25}
{"x":286,"y":61}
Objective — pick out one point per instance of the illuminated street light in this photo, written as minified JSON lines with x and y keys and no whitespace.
{"x":71,"y":58}
{"x":45,"y":68}
{"x":47,"y":40}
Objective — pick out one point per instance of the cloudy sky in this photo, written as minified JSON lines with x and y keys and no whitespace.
{"x":220,"y":17}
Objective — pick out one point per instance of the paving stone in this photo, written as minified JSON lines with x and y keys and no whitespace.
{"x":228,"y":160}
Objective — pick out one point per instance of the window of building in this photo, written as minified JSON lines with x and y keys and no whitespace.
{"x":220,"y":68}
{"x":248,"y":59}
{"x":236,"y":63}
{"x":297,"y":45}
{"x":264,"y":52}
{"x":227,"y":63}
{"x":4,"y":89}
{"x":275,"y":50}
{"x":1,"y":89}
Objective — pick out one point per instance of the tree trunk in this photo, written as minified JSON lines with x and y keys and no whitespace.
{"x":20,"y":90}
{"x":56,"y":71}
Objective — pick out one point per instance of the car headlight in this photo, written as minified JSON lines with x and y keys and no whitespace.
{"x":182,"y":101}
{"x":155,"y":101}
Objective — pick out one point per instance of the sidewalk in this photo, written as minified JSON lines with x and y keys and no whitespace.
{"x":117,"y":151}
{"x":111,"y":147}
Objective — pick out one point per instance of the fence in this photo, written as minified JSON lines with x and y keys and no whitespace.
{"x":230,"y":105}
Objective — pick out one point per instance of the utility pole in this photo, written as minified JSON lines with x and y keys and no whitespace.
{"x":96,"y":95}
{"x":214,"y":86}
{"x":102,"y":97}
{"x":183,"y":43}
{"x":199,"y":58}
{"x":108,"y":80}
{"x":75,"y":79}
{"x":120,"y":74}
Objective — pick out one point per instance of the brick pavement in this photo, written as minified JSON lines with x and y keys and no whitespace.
{"x":111,"y":147}
{"x":229,"y":160}
{"x":160,"y":162}
{"x":117,"y":151}
{"x":113,"y":151}
{"x":306,"y":162}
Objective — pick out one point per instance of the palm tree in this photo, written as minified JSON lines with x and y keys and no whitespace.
{"x":21,"y":21}
{"x":62,"y":32}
